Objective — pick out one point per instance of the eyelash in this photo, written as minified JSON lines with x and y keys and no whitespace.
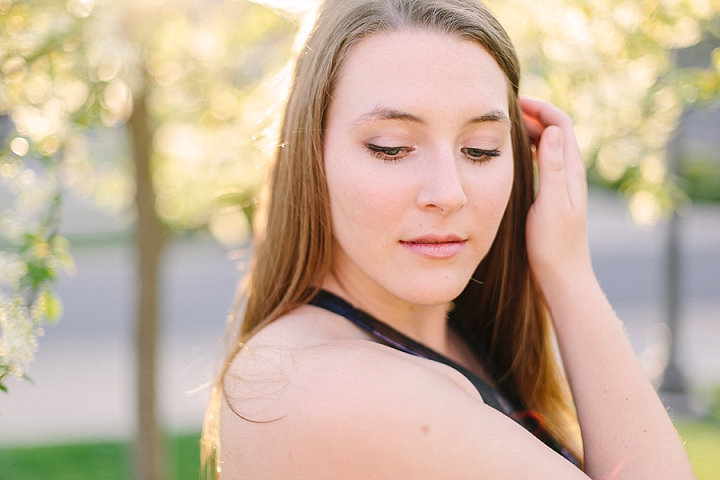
{"x":390,"y":154}
{"x":482,"y":155}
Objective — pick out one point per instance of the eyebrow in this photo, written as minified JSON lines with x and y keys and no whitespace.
{"x":494,"y":116}
{"x":384,"y":113}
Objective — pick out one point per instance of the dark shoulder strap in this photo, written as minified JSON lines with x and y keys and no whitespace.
{"x":391,"y":337}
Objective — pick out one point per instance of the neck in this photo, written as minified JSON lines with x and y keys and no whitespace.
{"x":426,"y":324}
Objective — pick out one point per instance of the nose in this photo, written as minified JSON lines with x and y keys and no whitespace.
{"x":442,"y":187}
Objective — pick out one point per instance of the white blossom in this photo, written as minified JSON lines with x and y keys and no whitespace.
{"x":12,"y":269}
{"x":39,"y":309}
{"x":17,"y":336}
{"x":12,"y":227}
{"x":31,"y":199}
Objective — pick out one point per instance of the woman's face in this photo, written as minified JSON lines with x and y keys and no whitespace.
{"x":419,"y":164}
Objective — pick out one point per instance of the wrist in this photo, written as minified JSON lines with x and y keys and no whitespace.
{"x":569,"y":284}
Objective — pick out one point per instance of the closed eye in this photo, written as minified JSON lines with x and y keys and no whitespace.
{"x":389,"y":154}
{"x":480,"y":155}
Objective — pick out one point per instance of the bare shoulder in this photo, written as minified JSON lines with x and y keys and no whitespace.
{"x":311,"y":398}
{"x":312,"y":349}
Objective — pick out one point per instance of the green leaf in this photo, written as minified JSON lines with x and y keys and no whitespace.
{"x":38,"y":272}
{"x":59,"y":242}
{"x":65,"y":260}
{"x":54,"y":308}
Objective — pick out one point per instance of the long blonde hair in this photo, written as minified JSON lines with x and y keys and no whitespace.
{"x":502,"y":314}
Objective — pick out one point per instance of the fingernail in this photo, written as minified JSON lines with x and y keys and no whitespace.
{"x":554,"y":136}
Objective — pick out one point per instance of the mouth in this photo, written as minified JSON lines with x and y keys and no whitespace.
{"x":435,"y":246}
{"x":435,"y":239}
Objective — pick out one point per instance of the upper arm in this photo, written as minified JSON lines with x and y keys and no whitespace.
{"x":362,"y":415}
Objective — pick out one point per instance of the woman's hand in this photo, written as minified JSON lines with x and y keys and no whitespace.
{"x":556,"y":224}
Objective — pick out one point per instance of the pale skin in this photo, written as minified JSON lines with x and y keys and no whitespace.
{"x":336,"y":404}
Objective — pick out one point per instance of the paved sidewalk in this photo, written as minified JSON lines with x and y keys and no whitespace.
{"x":84,"y":372}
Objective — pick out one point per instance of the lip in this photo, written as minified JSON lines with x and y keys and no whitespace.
{"x":435,"y":246}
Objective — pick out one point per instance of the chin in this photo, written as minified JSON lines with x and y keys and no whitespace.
{"x":430,"y":292}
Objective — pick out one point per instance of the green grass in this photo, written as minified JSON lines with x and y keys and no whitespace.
{"x":95,"y":461}
{"x":113,"y":460}
{"x":702,"y":444}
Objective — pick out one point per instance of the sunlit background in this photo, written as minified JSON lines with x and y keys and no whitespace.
{"x":83,"y":82}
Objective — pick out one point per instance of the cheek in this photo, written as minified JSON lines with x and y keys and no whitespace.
{"x":505,"y":189}
{"x":364,"y":199}
{"x":491,"y":196}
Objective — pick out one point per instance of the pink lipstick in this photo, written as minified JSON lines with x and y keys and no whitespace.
{"x":435,"y":246}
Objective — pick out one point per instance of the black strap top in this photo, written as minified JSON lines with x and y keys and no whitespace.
{"x":391,"y":337}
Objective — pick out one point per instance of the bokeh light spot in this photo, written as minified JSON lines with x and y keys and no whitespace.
{"x":80,"y":8}
{"x":653,"y":170}
{"x":168,"y":72}
{"x":645,"y":208}
{"x":19,"y":146}
{"x":229,"y":227}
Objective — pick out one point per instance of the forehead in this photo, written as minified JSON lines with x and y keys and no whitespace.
{"x":426,"y":73}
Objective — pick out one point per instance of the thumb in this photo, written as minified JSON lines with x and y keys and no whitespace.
{"x":551,"y":163}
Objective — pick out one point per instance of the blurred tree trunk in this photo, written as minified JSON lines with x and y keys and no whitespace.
{"x":151,"y":239}
{"x":674,"y":381}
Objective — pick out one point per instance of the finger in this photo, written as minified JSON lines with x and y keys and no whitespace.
{"x":544,"y":113}
{"x":551,"y":167}
{"x":576,"y":181}
{"x":538,"y":115}
{"x":541,"y":113}
{"x":533,"y":128}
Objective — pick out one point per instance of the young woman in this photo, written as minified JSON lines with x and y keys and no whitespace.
{"x":406,"y":277}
